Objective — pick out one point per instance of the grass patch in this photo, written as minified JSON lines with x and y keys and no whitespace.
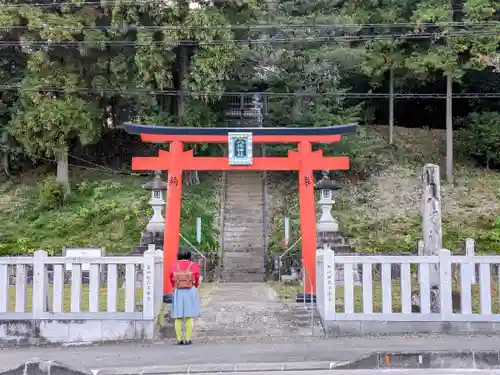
{"x":103,"y":211}
{"x":288,"y":292}
{"x":378,"y":207}
{"x":84,"y":302}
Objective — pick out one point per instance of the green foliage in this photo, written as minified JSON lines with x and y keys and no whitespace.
{"x":366,"y":152}
{"x":45,"y":125}
{"x":372,"y":228}
{"x":103,"y":211}
{"x":480,"y":138}
{"x":51,"y":194}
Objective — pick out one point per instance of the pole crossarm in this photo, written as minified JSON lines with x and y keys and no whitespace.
{"x":187,"y":161}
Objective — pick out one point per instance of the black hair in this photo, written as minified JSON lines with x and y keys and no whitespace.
{"x":184,"y":254}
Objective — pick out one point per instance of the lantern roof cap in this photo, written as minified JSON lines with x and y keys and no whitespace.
{"x":156,"y":183}
{"x":326,"y":183}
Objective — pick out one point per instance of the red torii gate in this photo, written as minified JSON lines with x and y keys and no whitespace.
{"x":176,"y":160}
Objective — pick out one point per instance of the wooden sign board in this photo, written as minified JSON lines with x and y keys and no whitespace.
{"x":76,"y":252}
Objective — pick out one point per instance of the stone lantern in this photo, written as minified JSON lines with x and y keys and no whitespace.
{"x":158,"y":188}
{"x":327,"y":223}
{"x":327,"y":230}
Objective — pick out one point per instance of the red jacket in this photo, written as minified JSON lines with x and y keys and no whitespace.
{"x":183,"y":266}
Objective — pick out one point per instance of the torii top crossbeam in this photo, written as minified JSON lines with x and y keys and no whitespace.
{"x":240,"y":158}
{"x":302,"y":136}
{"x":162,"y":134}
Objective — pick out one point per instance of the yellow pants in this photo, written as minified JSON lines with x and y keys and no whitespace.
{"x":189,"y":328}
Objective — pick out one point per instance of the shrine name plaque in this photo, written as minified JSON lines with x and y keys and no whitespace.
{"x":240,"y":148}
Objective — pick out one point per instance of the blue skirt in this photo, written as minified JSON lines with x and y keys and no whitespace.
{"x":186,"y":303}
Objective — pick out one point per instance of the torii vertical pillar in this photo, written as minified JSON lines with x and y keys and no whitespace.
{"x":307,"y":216}
{"x":173,"y":213}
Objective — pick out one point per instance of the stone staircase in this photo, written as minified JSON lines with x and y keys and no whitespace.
{"x":243,"y":257}
{"x":148,"y":238}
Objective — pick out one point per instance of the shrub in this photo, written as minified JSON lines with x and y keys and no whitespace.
{"x":480,"y":138}
{"x":51,"y":194}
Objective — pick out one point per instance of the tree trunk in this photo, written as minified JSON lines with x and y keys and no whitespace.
{"x":191,"y":178}
{"x":63,"y":170}
{"x":449,"y":129}
{"x":5,"y":153}
{"x":391,"y":106}
{"x":181,"y":99}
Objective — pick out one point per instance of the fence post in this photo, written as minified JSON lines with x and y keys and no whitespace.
{"x":420,"y":252}
{"x":39,"y":284}
{"x":445,"y":286}
{"x":329,"y":285}
{"x":470,"y":251}
{"x":158,"y":280}
{"x":148,"y":284}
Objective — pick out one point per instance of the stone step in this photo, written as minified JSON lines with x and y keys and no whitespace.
{"x":243,"y":267}
{"x":242,"y":241}
{"x":242,"y":221}
{"x":248,"y":177}
{"x":252,"y":228}
{"x":233,"y":241}
{"x":242,"y":277}
{"x":243,"y":212}
{"x":246,"y":239}
{"x":242,"y":246}
{"x":244,"y":262}
{"x":253,"y":191}
{"x":256,"y":236}
{"x":342,"y":249}
{"x":249,"y":249}
{"x":251,"y":254}
{"x":244,"y":201}
{"x":254,"y":258}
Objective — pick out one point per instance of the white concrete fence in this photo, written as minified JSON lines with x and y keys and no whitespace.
{"x":52,"y":299}
{"x":382,"y":303}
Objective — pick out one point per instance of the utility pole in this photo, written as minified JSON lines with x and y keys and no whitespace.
{"x":449,"y":128}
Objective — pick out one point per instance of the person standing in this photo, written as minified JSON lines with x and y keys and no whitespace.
{"x":185,"y":278}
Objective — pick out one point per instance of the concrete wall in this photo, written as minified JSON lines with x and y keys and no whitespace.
{"x":353,"y":328}
{"x":74,"y":331}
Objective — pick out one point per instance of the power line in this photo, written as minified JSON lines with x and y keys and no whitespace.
{"x":257,"y":27}
{"x":345,"y":38}
{"x":129,"y":3}
{"x":100,"y":168}
{"x":282,"y":95}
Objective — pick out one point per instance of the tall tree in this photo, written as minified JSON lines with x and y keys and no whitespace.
{"x":452,"y":50}
{"x":439,"y":54}
{"x":384,"y":58}
{"x":310,"y":66}
{"x":12,"y":63}
{"x":50,"y":113}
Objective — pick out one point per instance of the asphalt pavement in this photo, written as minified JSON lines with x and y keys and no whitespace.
{"x":235,"y":352}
